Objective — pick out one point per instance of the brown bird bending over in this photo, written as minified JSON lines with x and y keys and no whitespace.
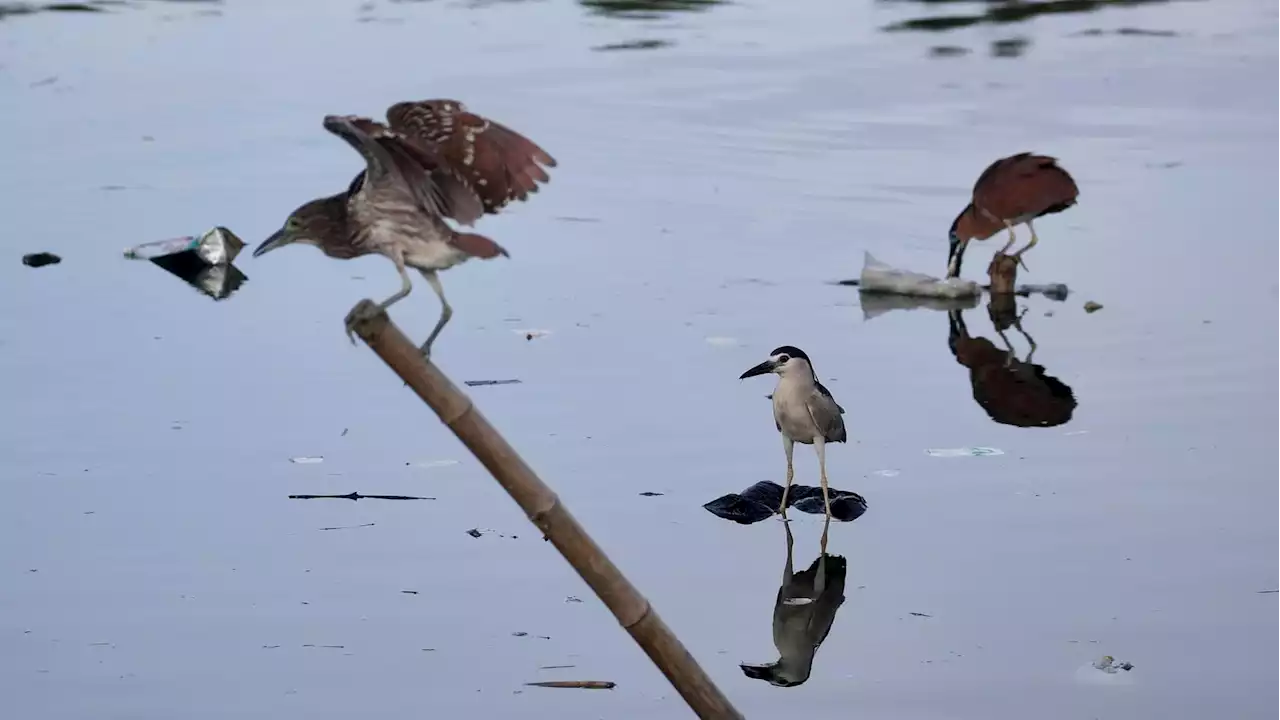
{"x":1011,"y":191}
{"x":432,"y":160}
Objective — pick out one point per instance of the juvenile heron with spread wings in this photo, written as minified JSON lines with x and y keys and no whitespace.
{"x":1011,"y":191}
{"x":431,"y":160}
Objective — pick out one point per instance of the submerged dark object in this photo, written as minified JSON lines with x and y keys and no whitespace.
{"x":203,"y":262}
{"x":40,"y":259}
{"x":760,"y":501}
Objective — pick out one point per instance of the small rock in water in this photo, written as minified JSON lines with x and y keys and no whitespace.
{"x":40,"y":259}
{"x":1091,"y":307}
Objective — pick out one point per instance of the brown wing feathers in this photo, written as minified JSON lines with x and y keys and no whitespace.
{"x":498,"y":164}
{"x":1024,"y":184}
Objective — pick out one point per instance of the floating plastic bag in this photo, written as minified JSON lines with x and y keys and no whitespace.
{"x":760,"y":501}
{"x":878,"y":277}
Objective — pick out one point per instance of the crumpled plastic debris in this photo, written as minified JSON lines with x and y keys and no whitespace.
{"x":760,"y":501}
{"x":203,"y":262}
{"x":218,"y":246}
{"x":879,"y":277}
{"x":1108,"y":664}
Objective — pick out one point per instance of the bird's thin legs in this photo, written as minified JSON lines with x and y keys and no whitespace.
{"x":1030,"y":245}
{"x":446,"y":311}
{"x":822,"y":568}
{"x":789,"y":570}
{"x":406,"y":287}
{"x":1012,"y":238}
{"x":367,"y":309}
{"x":820,"y":444}
{"x":788,"y":445}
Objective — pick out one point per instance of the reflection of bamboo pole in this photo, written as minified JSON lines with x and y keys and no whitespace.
{"x":543,"y":508}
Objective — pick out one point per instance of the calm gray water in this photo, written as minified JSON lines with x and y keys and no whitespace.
{"x":709,"y":188}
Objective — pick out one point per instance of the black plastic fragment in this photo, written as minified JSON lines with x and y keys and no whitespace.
{"x":761,"y":501}
{"x":40,"y":259}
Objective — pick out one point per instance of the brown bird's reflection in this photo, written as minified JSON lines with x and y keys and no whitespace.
{"x":1011,"y":391}
{"x":802,"y":615}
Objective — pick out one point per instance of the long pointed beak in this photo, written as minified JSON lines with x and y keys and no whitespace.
{"x":758,"y":672}
{"x":763,"y":368}
{"x":955,"y":256}
{"x":279,"y":238}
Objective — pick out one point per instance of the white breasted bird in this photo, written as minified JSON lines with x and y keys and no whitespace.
{"x":803,"y":411}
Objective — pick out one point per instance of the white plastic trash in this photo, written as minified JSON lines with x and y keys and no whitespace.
{"x":879,"y":277}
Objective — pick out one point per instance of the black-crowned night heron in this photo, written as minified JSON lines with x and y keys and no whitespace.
{"x":803,"y":410}
{"x":1011,"y":191}
{"x":432,"y":160}
{"x":803,"y":612}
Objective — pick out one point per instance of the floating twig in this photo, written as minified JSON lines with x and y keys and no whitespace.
{"x":580,"y":684}
{"x":358,"y":496}
{"x":348,"y":527}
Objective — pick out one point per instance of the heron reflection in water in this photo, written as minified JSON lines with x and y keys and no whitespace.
{"x":1011,"y":391}
{"x":802,"y":615}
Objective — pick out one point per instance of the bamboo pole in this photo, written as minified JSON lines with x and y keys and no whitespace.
{"x":544,"y":509}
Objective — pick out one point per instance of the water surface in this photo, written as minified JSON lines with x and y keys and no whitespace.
{"x":719,"y":164}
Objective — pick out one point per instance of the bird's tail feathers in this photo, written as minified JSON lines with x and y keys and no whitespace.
{"x":478,"y":246}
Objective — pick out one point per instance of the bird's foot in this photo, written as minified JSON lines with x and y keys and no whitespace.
{"x":363,"y":311}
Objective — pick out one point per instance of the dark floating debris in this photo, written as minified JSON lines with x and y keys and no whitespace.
{"x":760,"y":501}
{"x":1268,"y":592}
{"x":348,"y":527}
{"x":557,"y":667}
{"x":478,"y":532}
{"x":204,"y":262}
{"x":1092,"y":307}
{"x":1128,"y":31}
{"x":358,"y":496}
{"x":483,"y":383}
{"x":40,"y":259}
{"x":918,"y":614}
{"x":650,"y":493}
{"x":633,"y":45}
{"x":579,"y":684}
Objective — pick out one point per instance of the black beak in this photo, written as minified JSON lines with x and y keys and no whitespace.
{"x":758,"y":672}
{"x":955,"y":256}
{"x":761,"y":369}
{"x":279,"y":238}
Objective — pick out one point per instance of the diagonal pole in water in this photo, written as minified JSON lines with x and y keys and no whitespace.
{"x":544,"y":509}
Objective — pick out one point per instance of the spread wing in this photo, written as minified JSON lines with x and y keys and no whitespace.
{"x":435,"y":185}
{"x":497,"y":163}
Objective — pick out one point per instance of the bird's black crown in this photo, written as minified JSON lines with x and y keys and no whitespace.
{"x":790,"y":350}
